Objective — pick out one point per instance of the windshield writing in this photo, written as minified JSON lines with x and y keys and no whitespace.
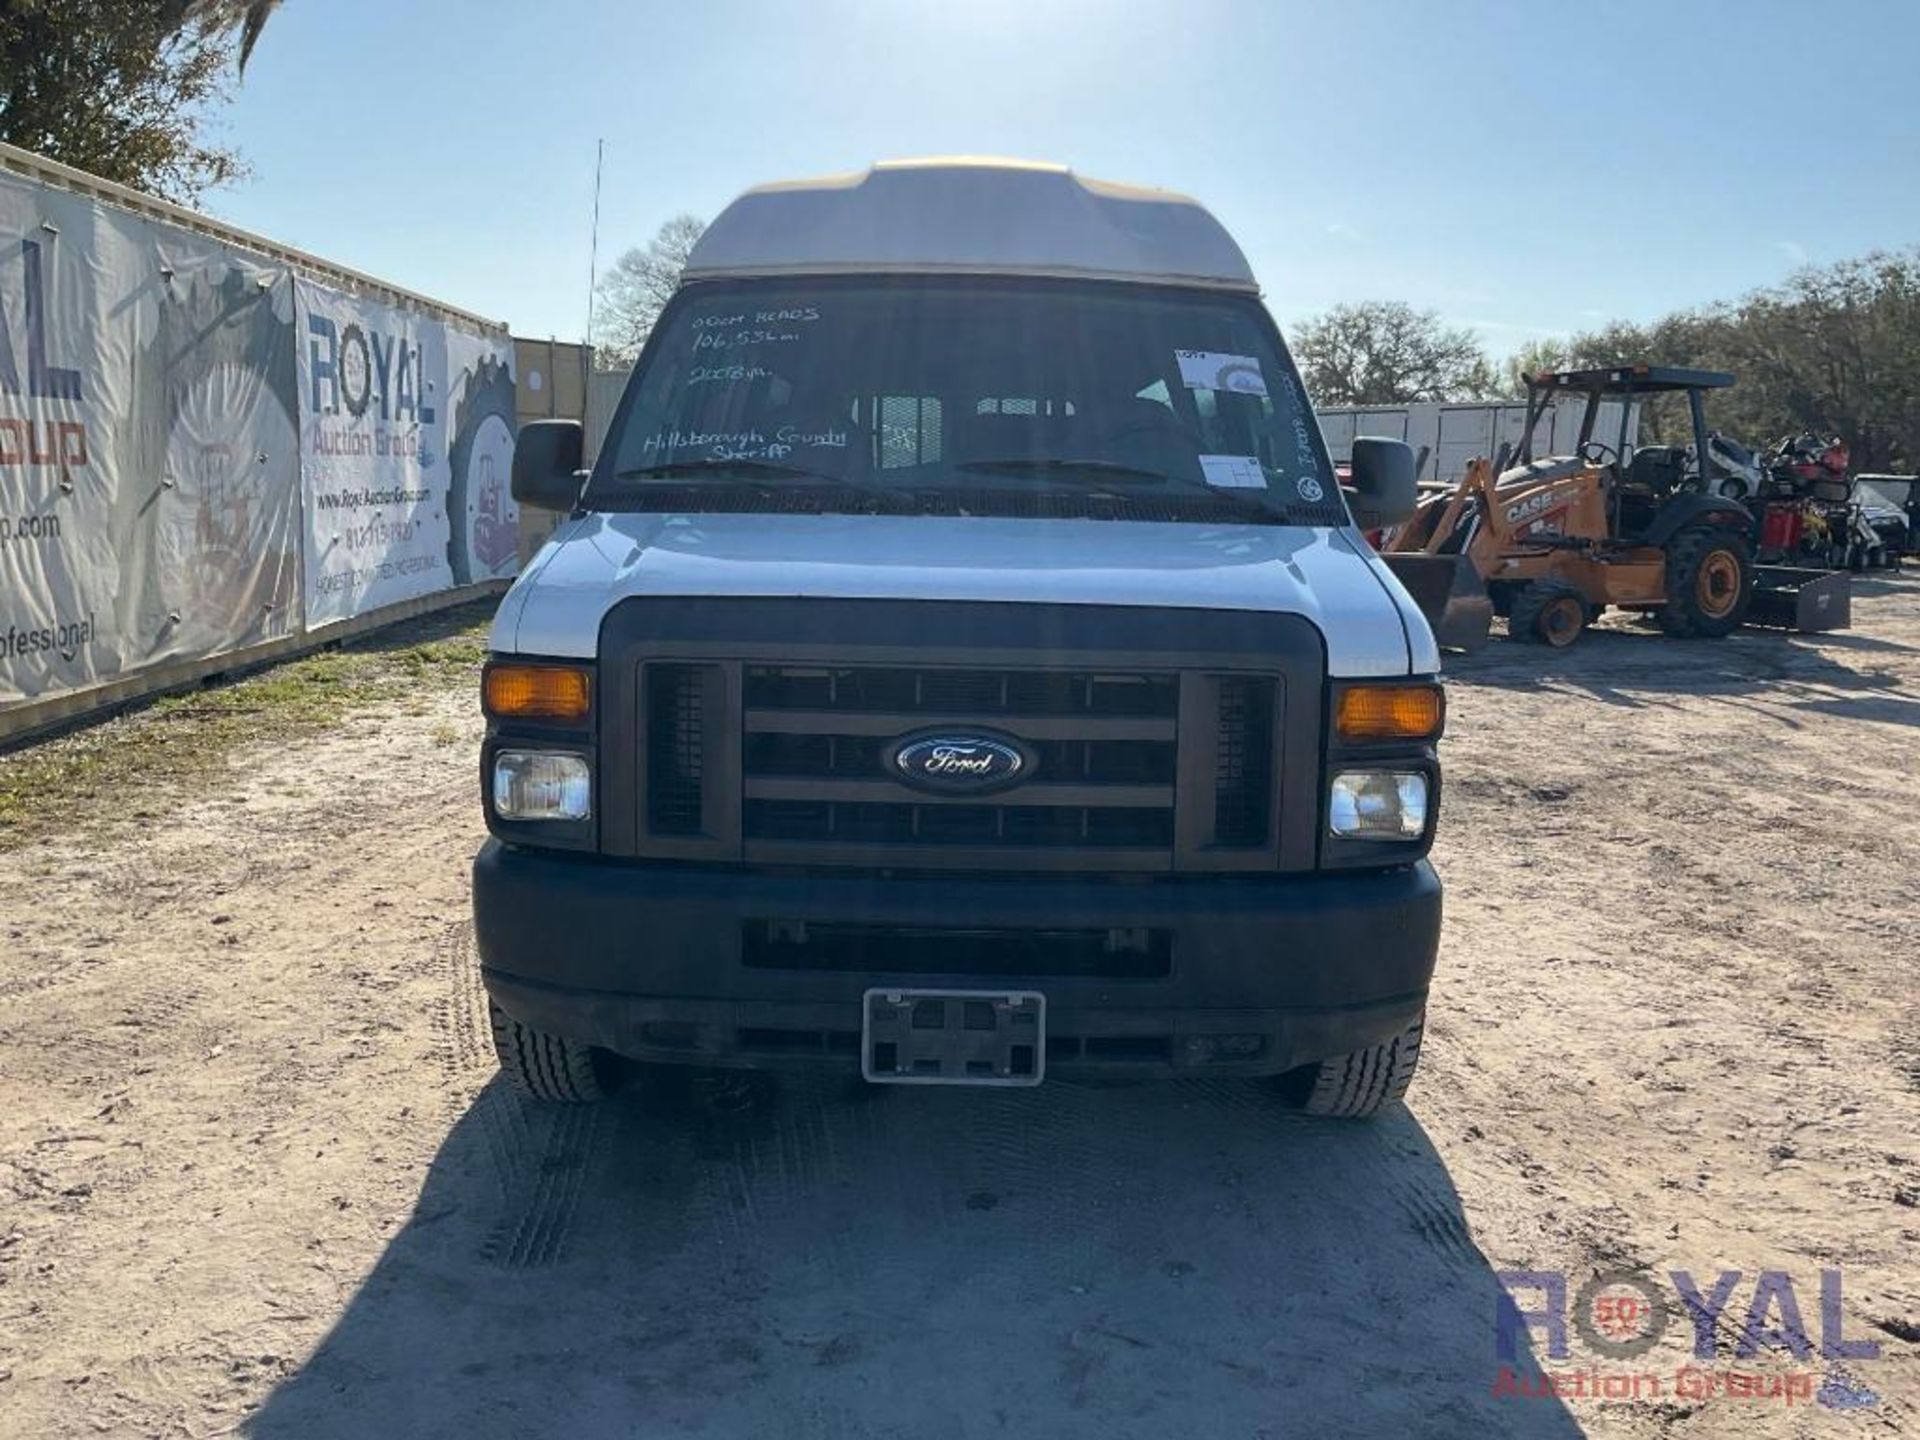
{"x":975,"y":388}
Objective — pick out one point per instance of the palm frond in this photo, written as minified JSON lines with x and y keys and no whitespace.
{"x":249,"y":17}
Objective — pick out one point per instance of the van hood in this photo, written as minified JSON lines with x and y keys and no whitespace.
{"x":1327,"y":575}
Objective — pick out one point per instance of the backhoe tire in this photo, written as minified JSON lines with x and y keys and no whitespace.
{"x":1359,"y":1084}
{"x":548,"y":1067}
{"x":1549,"y":612}
{"x":1709,"y":583}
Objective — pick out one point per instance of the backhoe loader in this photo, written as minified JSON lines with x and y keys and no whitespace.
{"x":1549,"y":541}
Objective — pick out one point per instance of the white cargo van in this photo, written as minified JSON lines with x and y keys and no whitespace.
{"x":961,"y":666}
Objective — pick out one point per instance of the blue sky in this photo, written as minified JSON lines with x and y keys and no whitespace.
{"x":1524,"y":168}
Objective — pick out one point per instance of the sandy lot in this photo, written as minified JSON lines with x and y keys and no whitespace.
{"x":257,"y":1176}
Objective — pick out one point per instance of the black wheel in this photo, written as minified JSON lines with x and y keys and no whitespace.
{"x":548,"y":1067}
{"x":1548,"y":612}
{"x":1358,"y":1084}
{"x":1709,"y":583}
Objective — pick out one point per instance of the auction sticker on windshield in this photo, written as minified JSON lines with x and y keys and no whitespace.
{"x":1233,"y":472}
{"x":1212,"y":370}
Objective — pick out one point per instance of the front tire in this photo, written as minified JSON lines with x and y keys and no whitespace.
{"x":1359,"y":1084}
{"x":1709,"y":583}
{"x":548,"y":1067}
{"x":1548,"y":612}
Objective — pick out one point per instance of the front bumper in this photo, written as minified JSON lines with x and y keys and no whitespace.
{"x":650,"y":960}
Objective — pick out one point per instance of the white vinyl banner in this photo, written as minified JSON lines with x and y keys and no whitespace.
{"x":148,"y":456}
{"x":486,"y":522}
{"x":186,"y":429}
{"x":373,"y":432}
{"x":407,"y":443}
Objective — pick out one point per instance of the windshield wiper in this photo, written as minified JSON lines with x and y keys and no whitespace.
{"x":1057,"y":464}
{"x":672,"y":469}
{"x":752,"y":473}
{"x":1121,"y":472}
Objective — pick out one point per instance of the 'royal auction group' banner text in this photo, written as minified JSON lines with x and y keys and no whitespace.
{"x":403,"y":421}
{"x":200,"y":453}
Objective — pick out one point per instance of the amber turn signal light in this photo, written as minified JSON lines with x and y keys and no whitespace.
{"x":1391,"y":712}
{"x":536,"y":692}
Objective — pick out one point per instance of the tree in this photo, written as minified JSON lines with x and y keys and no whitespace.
{"x":1674,"y":340}
{"x":1385,"y":352}
{"x":121,"y":88}
{"x":638,"y":287}
{"x":249,"y":17}
{"x":1619,"y":343}
{"x":1835,"y":349}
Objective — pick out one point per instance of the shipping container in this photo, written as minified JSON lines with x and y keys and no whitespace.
{"x":1447,"y":437}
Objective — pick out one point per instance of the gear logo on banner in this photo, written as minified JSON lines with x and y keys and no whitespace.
{"x":485,"y":533}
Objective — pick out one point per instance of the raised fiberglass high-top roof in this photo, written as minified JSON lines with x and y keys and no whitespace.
{"x":970,"y":216}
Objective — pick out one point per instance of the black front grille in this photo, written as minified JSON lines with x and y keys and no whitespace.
{"x":947,"y":692}
{"x":1243,"y":761}
{"x":815,"y":742}
{"x":676,"y":748}
{"x":856,"y":823}
{"x":1119,"y":762}
{"x":779,"y":763}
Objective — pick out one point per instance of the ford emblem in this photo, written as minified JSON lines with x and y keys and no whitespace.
{"x":959,"y":762}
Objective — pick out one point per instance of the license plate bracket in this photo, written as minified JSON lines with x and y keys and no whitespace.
{"x":953,"y":1037}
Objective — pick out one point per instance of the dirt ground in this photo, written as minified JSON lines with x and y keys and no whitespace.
{"x":257,"y":1175}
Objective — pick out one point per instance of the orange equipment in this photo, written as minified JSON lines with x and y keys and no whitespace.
{"x":1548,"y":542}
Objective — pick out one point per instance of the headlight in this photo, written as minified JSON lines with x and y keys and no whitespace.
{"x":541,"y":785}
{"x":1378,"y":805}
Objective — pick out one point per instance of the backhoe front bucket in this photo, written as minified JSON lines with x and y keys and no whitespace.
{"x":1798,"y":599}
{"x":1450,"y":593}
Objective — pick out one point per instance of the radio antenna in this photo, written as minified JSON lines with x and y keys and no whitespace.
{"x":593,"y":243}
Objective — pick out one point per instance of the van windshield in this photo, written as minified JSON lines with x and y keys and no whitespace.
{"x":967,"y":396}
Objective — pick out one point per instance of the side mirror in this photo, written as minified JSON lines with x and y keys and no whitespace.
{"x":546,"y":464}
{"x":1384,"y":490}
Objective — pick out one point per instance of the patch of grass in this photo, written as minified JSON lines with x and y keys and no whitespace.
{"x":123,"y":767}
